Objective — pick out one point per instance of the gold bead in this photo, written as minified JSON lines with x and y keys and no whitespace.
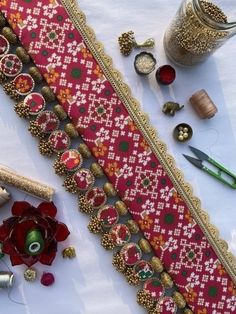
{"x":60,"y":112}
{"x":48,"y":94}
{"x":109,"y":189}
{"x":10,"y":35}
{"x":84,"y":150}
{"x":96,"y":170}
{"x":188,"y":311}
{"x":121,"y":208}
{"x":145,"y":246}
{"x":69,"y":252}
{"x":30,"y":274}
{"x":156,"y":264}
{"x":2,"y":20}
{"x":71,"y":130}
{"x":36,"y":75}
{"x":22,"y":55}
{"x":179,"y":300}
{"x":133,"y":226}
{"x":166,"y":280}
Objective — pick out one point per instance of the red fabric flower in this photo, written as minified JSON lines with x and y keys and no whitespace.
{"x":14,"y":231}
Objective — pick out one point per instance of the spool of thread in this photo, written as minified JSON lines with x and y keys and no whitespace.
{"x":25,"y":184}
{"x":34,"y":243}
{"x":5,"y":196}
{"x":203,"y":104}
{"x":6,"y":279}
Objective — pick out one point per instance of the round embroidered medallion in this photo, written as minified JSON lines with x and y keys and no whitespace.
{"x":35,"y":102}
{"x":24,"y":84}
{"x":48,"y":121}
{"x":166,"y":305}
{"x":84,"y":179}
{"x":4,"y":46}
{"x":59,"y":140}
{"x":131,"y":253}
{"x":11,"y":65}
{"x":96,"y":197}
{"x":72,"y":160}
{"x":108,"y":215}
{"x":120,"y":234}
{"x":154,"y":288}
{"x":143,"y":270}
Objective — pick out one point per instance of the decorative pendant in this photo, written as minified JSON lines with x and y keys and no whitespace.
{"x":10,"y":65}
{"x":35,"y":102}
{"x":59,"y":141}
{"x":131,"y":253}
{"x":23,"y":84}
{"x":120,"y":234}
{"x":47,"y":121}
{"x":154,"y":288}
{"x":143,"y":270}
{"x":166,"y":305}
{"x":71,"y":159}
{"x":4,"y":46}
{"x":84,"y":179}
{"x":108,"y":216}
{"x":96,"y":197}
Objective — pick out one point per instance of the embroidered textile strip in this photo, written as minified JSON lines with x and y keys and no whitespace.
{"x":73,"y":64}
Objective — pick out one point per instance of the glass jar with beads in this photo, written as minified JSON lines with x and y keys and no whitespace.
{"x":198,"y":29}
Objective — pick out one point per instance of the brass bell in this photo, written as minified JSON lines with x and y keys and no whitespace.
{"x":133,"y":226}
{"x":96,"y":170}
{"x":36,"y":75}
{"x":60,"y":112}
{"x":22,"y":55}
{"x":109,"y":189}
{"x":48,"y":94}
{"x":166,"y":280}
{"x":179,"y":300}
{"x":84,"y":150}
{"x":121,"y":207}
{"x":10,"y":35}
{"x":156,"y":264}
{"x":145,"y":246}
{"x":71,"y":130}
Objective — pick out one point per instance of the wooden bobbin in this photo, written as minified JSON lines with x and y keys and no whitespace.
{"x":203,"y":105}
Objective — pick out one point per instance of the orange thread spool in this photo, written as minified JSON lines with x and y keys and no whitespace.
{"x":203,"y":105}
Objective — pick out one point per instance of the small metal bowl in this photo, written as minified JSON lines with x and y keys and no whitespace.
{"x":183,"y":132}
{"x":144,"y":63}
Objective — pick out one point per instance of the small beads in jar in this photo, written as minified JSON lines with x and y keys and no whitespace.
{"x":183,"y":132}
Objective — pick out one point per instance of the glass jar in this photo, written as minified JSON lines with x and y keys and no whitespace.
{"x":197,"y":30}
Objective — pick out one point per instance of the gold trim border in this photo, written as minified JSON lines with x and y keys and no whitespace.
{"x":158,"y":147}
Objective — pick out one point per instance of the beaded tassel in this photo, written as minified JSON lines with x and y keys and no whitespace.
{"x":45,"y":148}
{"x":22,"y":110}
{"x":84,"y":206}
{"x":95,"y":225}
{"x":144,"y":299}
{"x":107,"y":242}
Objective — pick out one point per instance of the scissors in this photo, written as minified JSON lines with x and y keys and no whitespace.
{"x":198,"y":162}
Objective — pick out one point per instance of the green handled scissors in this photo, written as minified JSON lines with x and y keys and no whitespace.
{"x":220,"y":169}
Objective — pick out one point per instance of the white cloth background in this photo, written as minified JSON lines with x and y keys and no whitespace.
{"x":89,"y":284}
